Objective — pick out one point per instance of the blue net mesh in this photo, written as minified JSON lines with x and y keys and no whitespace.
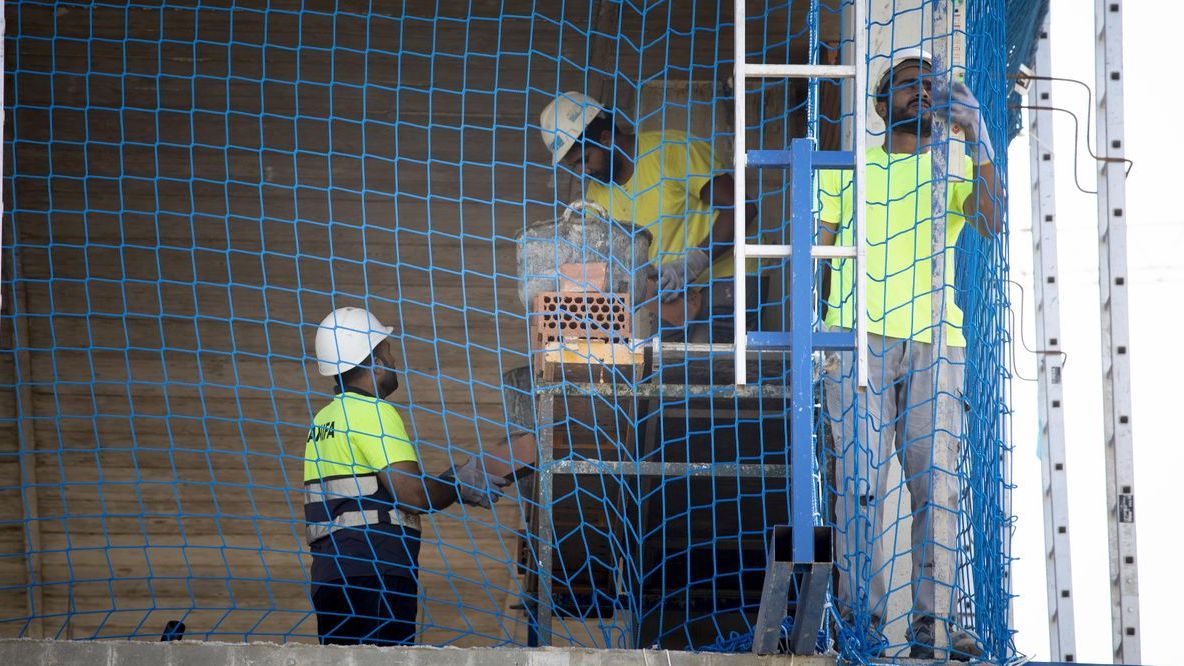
{"x":193,"y":187}
{"x":894,"y":437}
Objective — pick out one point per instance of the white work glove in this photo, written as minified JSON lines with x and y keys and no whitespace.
{"x":957,"y":106}
{"x":674,"y":275}
{"x":477,"y":487}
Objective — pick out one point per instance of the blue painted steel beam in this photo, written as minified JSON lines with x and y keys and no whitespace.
{"x":769,"y":159}
{"x":801,"y":280}
{"x":834,"y":340}
{"x":782,"y":159}
{"x":833,"y":159}
{"x":770,"y":340}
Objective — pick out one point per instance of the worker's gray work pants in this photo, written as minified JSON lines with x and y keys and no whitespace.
{"x":895,"y":414}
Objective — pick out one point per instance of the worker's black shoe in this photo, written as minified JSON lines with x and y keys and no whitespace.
{"x":863,"y":641}
{"x":920,"y":636}
{"x":963,"y":646}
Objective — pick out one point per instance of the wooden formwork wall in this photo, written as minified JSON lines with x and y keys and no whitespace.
{"x":189,"y":190}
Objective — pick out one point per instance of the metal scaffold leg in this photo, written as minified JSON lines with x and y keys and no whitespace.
{"x":813,"y":579}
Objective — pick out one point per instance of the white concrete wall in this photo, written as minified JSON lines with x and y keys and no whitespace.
{"x":185,"y":653}
{"x":896,"y":24}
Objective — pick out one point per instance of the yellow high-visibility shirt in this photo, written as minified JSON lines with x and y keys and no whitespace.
{"x":662,"y":196}
{"x":355,"y":434}
{"x":900,"y":246}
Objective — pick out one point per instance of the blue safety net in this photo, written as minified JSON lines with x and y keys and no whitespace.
{"x":919,"y":469}
{"x":538,"y":198}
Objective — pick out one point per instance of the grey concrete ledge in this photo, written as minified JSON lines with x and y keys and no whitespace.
{"x":15,"y":652}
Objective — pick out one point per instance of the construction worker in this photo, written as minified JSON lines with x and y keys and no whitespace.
{"x":364,"y":490}
{"x":900,"y":408}
{"x":670,"y":184}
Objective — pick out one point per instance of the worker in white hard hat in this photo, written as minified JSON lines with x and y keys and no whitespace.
{"x":671,"y":184}
{"x":898,"y":413}
{"x":364,"y":490}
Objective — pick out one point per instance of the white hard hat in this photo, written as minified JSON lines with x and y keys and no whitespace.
{"x":564,"y":120}
{"x":345,"y":338}
{"x":900,"y":57}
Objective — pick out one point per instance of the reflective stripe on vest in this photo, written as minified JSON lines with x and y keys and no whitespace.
{"x":341,"y":488}
{"x":350,"y":501}
{"x":360,"y":519}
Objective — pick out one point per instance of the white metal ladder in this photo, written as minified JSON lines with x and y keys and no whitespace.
{"x":811,"y":548}
{"x":742,"y":248}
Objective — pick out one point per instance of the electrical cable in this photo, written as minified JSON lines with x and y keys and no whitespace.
{"x":1022,"y":341}
{"x":1088,"y":119}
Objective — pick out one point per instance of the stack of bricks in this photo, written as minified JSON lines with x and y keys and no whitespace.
{"x":581,"y":333}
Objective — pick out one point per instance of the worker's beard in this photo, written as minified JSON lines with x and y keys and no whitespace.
{"x":388,"y":383}
{"x":904,"y":118}
{"x":613,"y":165}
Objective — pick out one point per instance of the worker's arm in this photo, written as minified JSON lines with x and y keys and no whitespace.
{"x":673,"y":276}
{"x":416,"y":492}
{"x":828,"y":233}
{"x":958,"y":106}
{"x":833,"y":207}
{"x":979,"y":207}
{"x":720,"y":194}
